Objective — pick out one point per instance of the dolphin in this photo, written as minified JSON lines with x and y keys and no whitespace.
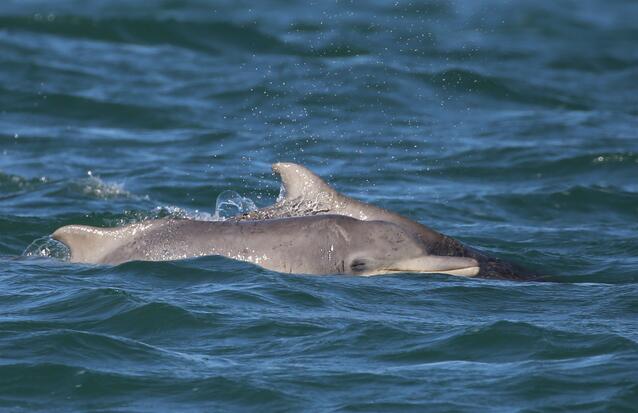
{"x":285,"y":237}
{"x":305,"y":193}
{"x":320,"y":244}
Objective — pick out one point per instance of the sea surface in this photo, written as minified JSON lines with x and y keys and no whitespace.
{"x":510,"y":125}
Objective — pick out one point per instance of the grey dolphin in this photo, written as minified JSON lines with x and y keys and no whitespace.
{"x":326,"y":244}
{"x":304,"y":193}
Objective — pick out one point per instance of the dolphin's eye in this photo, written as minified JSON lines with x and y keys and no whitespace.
{"x":358,"y":265}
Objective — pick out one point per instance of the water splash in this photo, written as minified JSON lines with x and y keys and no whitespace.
{"x":170,"y":211}
{"x":230,"y":203}
{"x":94,"y":186}
{"x":12,"y":183}
{"x":47,"y":247}
{"x":282,"y":193}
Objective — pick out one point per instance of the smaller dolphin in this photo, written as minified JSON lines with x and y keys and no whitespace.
{"x":322,"y":244}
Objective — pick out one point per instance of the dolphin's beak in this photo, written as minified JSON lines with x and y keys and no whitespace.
{"x":467,"y":267}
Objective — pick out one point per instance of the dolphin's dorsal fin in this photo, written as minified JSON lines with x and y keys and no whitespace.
{"x":302,"y":186}
{"x":299,"y":182}
{"x":85,"y":243}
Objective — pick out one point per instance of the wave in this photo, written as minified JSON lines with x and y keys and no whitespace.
{"x":10,"y":184}
{"x":209,"y":37}
{"x":176,"y":389}
{"x":505,"y":341}
{"x":99,"y":112}
{"x":522,"y":162}
{"x":153,"y":319}
{"x":594,"y":64}
{"x":593,"y":201}
{"x":72,"y":307}
{"x":470,"y":82}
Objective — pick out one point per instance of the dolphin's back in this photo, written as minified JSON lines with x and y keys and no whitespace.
{"x":152,"y":240}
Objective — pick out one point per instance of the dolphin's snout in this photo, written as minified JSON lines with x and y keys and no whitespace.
{"x":463,"y":266}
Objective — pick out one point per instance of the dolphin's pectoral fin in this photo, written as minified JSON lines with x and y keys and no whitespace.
{"x":300,"y":183}
{"x":463,"y":266}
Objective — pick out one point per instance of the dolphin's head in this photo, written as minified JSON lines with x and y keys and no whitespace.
{"x":385,"y":248}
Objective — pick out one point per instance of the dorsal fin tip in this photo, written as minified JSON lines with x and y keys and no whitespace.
{"x":299,"y":181}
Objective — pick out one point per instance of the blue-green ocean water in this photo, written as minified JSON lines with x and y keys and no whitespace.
{"x":511,"y":125}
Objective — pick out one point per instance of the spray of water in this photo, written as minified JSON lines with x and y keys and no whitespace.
{"x":47,"y":247}
{"x":230,"y":203}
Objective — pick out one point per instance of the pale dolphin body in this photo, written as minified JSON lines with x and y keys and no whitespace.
{"x":304,"y":193}
{"x":327,"y":244}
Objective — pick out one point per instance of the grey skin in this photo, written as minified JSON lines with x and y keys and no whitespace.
{"x":303,"y":196}
{"x":304,"y":193}
{"x":325,"y":244}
